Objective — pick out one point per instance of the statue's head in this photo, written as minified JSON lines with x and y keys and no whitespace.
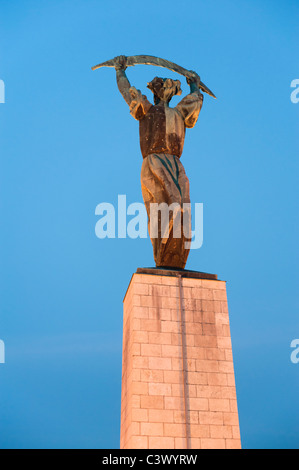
{"x":164,"y":88}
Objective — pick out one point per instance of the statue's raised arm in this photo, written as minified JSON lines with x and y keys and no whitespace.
{"x":190,"y":106}
{"x":122,"y":79}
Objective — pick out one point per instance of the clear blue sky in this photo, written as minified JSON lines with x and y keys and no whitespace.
{"x":68,"y":143}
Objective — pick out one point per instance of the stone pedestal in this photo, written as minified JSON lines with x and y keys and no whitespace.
{"x":178,"y":385}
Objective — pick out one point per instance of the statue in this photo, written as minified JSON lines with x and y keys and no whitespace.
{"x":162,"y":133}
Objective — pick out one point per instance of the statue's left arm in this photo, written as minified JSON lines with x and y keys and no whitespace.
{"x":190,"y":106}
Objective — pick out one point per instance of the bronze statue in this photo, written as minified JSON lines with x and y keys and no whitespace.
{"x":162,"y":133}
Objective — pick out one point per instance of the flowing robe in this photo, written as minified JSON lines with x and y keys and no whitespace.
{"x":163,"y":178}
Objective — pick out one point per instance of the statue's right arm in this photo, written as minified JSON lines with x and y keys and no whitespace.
{"x":139,"y":104}
{"x":121,"y":78}
{"x":123,"y":85}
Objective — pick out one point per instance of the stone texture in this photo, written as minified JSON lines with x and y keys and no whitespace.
{"x":178,"y":385}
